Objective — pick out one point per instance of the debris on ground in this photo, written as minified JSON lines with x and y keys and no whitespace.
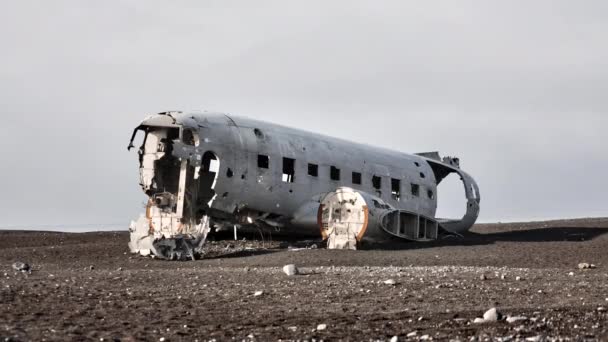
{"x":586,"y":266}
{"x":290,"y":270}
{"x":491,"y":315}
{"x":21,"y":267}
{"x":516,"y":319}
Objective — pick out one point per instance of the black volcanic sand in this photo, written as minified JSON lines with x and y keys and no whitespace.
{"x":88,"y":287}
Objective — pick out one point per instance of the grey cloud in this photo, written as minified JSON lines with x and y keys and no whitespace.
{"x":517,"y":89}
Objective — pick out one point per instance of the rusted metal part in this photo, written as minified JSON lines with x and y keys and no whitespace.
{"x":343,"y":218}
{"x":365,"y":223}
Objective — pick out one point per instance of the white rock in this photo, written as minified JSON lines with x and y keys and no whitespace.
{"x":290,"y":270}
{"x":516,"y":319}
{"x":294,"y":328}
{"x":534,"y":339}
{"x":424,"y":337}
{"x":258,"y":293}
{"x":601,"y":309}
{"x":571,"y":274}
{"x":390,"y":282}
{"x":491,"y":315}
{"x":479,"y":320}
{"x":394,"y":339}
{"x":162,"y":339}
{"x":412,"y":334}
{"x":21,"y":267}
{"x":518,"y":278}
{"x":483,"y":277}
{"x":321,"y":327}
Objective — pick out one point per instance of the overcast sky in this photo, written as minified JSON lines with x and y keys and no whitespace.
{"x":517,"y":89}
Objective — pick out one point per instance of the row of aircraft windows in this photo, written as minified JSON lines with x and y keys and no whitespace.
{"x":289,"y":171}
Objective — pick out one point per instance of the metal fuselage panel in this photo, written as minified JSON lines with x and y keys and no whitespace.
{"x":238,"y":142}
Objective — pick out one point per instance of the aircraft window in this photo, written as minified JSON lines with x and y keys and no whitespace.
{"x":356,"y":178}
{"x":313,"y":170}
{"x":396,"y":189}
{"x":289,"y":170}
{"x":263,"y":161}
{"x":334,"y":173}
{"x":415,"y":190}
{"x":377,"y":182}
{"x":431,"y":194}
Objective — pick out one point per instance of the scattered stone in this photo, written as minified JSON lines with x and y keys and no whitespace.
{"x":390,"y":282}
{"x":479,"y":320}
{"x":601,"y":309}
{"x":516,"y":319}
{"x":119,"y":269}
{"x":483,"y":277}
{"x":518,"y":278}
{"x":492,"y":315}
{"x":21,"y":267}
{"x":412,"y":334}
{"x":394,"y":339}
{"x":294,"y":328}
{"x":258,"y":293}
{"x":290,"y":270}
{"x":534,"y":338}
{"x":571,"y":274}
{"x":425,"y":337}
{"x":321,"y":327}
{"x":162,"y":339}
{"x":586,"y":266}
{"x":90,"y":268}
{"x":503,"y":276}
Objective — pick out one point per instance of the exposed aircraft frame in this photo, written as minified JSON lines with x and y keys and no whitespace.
{"x":210,"y":171}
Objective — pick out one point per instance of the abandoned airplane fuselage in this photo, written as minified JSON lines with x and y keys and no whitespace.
{"x":210,"y":171}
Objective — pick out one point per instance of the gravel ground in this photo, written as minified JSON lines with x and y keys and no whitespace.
{"x":88,"y":287}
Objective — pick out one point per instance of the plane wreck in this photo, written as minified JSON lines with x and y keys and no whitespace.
{"x":207,"y":172}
